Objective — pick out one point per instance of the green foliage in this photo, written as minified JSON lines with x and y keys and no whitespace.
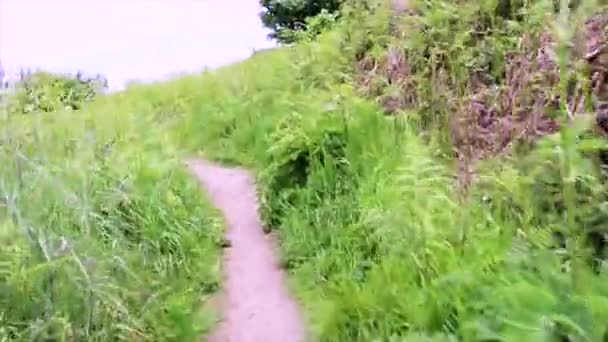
{"x":105,"y":237}
{"x":286,"y":18}
{"x":380,"y":244}
{"x":46,"y":92}
{"x":312,"y":28}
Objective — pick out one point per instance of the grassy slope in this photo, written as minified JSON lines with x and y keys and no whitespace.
{"x":377,"y":241}
{"x":105,"y":236}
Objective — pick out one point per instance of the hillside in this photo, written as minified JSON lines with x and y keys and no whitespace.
{"x":436,"y":175}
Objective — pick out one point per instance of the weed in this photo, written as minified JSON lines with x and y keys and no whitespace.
{"x":106,"y":236}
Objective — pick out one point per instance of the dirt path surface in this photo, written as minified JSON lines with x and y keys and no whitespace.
{"x":256,"y":304}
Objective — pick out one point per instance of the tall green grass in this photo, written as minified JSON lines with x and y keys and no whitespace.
{"x":379,"y":242}
{"x":105,"y":236}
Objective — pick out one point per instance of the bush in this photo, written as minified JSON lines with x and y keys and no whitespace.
{"x":287,"y":17}
{"x":47,"y":92}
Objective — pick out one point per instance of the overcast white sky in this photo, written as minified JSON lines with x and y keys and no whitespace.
{"x":128,"y":39}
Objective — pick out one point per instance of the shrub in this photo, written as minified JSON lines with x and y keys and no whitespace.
{"x":48,"y":92}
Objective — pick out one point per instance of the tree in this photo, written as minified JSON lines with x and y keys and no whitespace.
{"x":286,"y":16}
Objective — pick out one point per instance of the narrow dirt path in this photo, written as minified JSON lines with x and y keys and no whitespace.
{"x":256,"y":304}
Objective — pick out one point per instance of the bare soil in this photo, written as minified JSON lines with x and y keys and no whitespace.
{"x":256,"y":305}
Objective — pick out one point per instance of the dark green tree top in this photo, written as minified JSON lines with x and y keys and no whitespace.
{"x":286,"y":16}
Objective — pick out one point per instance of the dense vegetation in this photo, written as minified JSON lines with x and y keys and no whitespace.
{"x":104,"y":235}
{"x":433,"y":177}
{"x":45,"y":92}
